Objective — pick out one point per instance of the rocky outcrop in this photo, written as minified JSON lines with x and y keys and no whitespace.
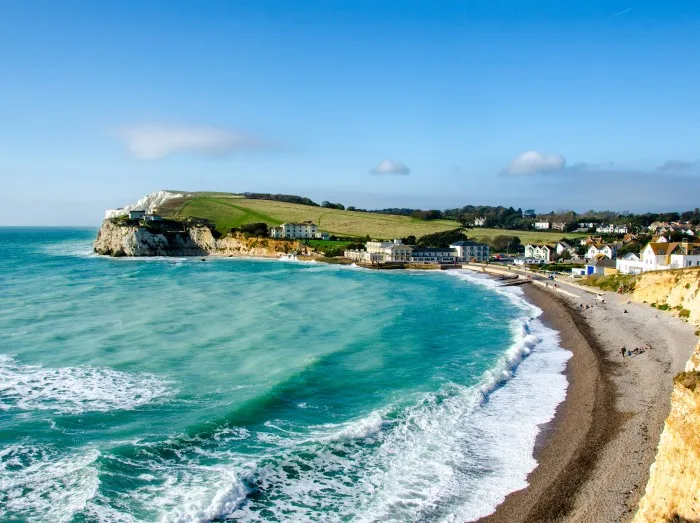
{"x":673,"y":490}
{"x":115,"y":239}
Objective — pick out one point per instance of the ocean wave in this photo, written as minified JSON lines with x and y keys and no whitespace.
{"x":38,"y":484}
{"x":74,"y":390}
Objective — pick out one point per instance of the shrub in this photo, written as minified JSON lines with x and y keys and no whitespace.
{"x":684,"y":313}
{"x":689,"y":380}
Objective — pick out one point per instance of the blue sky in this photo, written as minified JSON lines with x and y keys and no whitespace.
{"x":432,"y":104}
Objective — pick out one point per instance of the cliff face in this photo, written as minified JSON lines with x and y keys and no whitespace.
{"x":673,"y":490}
{"x":126,"y":240}
{"x":680,"y":290}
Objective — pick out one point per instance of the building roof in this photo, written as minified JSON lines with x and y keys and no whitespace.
{"x":462,"y":243}
{"x":602,"y":261}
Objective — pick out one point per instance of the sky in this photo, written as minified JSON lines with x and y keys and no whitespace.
{"x":549,"y":105}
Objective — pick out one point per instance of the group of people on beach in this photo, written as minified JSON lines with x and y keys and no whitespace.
{"x":637,"y":350}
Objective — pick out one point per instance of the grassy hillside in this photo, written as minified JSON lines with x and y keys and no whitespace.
{"x":231,"y":210}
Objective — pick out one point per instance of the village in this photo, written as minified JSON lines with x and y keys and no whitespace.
{"x":609,"y":248}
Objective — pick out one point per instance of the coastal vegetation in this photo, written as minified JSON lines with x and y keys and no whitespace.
{"x":612,"y":282}
{"x":231,"y":211}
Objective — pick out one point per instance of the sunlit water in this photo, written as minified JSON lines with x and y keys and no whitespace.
{"x":182,"y":390}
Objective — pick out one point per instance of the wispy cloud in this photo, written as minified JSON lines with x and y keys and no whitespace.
{"x":534,"y":162}
{"x":390,"y":167}
{"x":153,"y":142}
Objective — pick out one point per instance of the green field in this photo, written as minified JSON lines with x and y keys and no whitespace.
{"x":232,"y":211}
{"x":228,"y":211}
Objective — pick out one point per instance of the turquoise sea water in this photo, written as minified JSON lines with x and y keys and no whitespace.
{"x":253,"y":390}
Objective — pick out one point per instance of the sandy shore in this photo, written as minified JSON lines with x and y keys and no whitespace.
{"x":594,"y":457}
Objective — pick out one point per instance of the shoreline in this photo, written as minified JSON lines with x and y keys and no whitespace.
{"x":594,"y":456}
{"x":568,"y":444}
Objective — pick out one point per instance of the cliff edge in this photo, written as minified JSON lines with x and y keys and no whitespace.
{"x":673,"y":490}
{"x":116,"y":239}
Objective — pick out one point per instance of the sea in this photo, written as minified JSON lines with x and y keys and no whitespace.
{"x":237,"y":389}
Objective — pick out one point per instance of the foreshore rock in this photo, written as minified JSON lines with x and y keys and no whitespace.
{"x":114,"y":239}
{"x":673,"y":490}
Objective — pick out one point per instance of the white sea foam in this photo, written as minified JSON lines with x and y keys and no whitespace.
{"x":37,"y":484}
{"x":73,"y":390}
{"x":191,"y":493}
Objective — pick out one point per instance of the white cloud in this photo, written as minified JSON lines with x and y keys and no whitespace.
{"x":533,"y":162}
{"x":389,"y":167}
{"x":152,"y":142}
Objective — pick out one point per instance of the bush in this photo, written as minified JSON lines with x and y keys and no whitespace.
{"x":684,"y":313}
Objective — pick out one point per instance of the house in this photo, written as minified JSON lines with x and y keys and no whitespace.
{"x":153,"y":218}
{"x":542,"y":226}
{"x":543,"y":252}
{"x":600,"y":265}
{"x":480,"y":221}
{"x":322,"y":236}
{"x":305,"y":229}
{"x":586,"y":225}
{"x":562,"y":247}
{"x":468,"y":251}
{"x":612,"y":229}
{"x":433,"y":255}
{"x":606,"y":249}
{"x":136,"y":215}
{"x":585,"y":242}
{"x":630,"y":263}
{"x":659,"y":256}
{"x":559,"y":226}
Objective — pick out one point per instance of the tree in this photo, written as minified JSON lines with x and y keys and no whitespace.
{"x":506,"y":243}
{"x":566,"y":255}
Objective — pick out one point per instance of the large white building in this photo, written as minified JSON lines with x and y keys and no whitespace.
{"x":382,"y":252}
{"x":542,"y":226}
{"x":468,"y":251}
{"x":295,"y":230}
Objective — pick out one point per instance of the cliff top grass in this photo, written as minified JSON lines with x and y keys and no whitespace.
{"x":229,"y":211}
{"x":612,"y":282}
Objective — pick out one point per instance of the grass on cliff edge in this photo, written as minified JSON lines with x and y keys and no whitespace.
{"x":611,"y":282}
{"x":230,"y":210}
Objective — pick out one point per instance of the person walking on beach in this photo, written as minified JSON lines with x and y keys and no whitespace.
{"x":623,"y":352}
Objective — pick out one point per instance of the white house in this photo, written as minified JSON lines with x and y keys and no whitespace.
{"x":659,"y":256}
{"x":542,"y":226}
{"x":540,"y":252}
{"x":612,"y":229}
{"x":601,"y":248}
{"x":467,"y":251}
{"x":480,"y":221}
{"x":630,"y":263}
{"x":295,"y":230}
{"x":560,"y":247}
